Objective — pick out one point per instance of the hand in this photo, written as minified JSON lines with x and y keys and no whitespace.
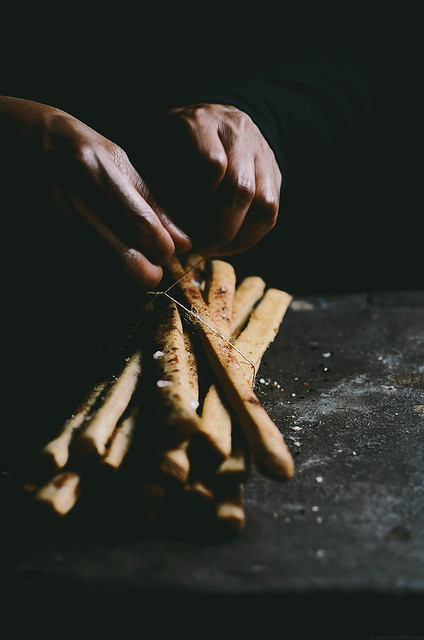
{"x":217,"y":177}
{"x":92,"y":177}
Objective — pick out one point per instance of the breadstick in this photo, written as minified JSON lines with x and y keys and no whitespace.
{"x":265,"y":440}
{"x":248,"y":292}
{"x":234,"y":468}
{"x":199,"y":490}
{"x":61,"y":492}
{"x":121,"y":439}
{"x":261,"y":329}
{"x":58,"y":448}
{"x":174,"y":374}
{"x":216,"y":421}
{"x":175,"y":461}
{"x":95,"y":436}
{"x":229,"y":511}
{"x":220,"y":295}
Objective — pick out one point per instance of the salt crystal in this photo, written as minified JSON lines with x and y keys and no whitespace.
{"x":158,"y":354}
{"x":262,"y":380}
{"x":319,"y":478}
{"x":194,"y":404}
{"x":327,"y":354}
{"x":163,"y":383}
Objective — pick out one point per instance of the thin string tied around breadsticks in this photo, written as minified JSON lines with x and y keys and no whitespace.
{"x":194,"y":316}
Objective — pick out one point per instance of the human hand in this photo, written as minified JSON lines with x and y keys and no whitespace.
{"x":217,"y":177}
{"x":91,"y":177}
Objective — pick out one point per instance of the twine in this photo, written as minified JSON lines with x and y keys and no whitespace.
{"x":194,"y":316}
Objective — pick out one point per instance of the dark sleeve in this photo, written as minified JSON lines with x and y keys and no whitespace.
{"x":316,"y":103}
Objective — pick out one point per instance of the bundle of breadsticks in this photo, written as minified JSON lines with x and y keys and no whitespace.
{"x":180,"y":421}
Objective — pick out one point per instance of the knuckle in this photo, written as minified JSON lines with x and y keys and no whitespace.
{"x":267,"y":208}
{"x":243,"y":120}
{"x":165,"y":253}
{"x":84,"y":153}
{"x":244,"y":187}
{"x":215,"y":162}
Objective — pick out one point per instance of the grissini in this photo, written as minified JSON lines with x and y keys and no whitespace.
{"x":174,"y":371}
{"x":174,"y":461}
{"x":229,"y":511}
{"x":216,"y":420}
{"x":220,"y":294}
{"x":247,"y":294}
{"x":261,"y":329}
{"x":61,"y":492}
{"x":57,"y":450}
{"x":95,"y":435}
{"x":121,"y":438}
{"x":266,"y":443}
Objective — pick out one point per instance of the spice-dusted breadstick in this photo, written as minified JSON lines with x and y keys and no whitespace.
{"x":174,"y":373}
{"x":175,"y":461}
{"x":265,"y":440}
{"x":215,"y":425}
{"x":94,"y":437}
{"x":220,"y":295}
{"x":121,"y":439}
{"x":58,"y":449}
{"x":216,"y":420}
{"x":61,"y":492}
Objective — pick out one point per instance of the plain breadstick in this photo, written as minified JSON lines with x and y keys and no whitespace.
{"x":58,"y":449}
{"x":61,"y":492}
{"x":229,"y":511}
{"x":95,"y":436}
{"x":234,"y":468}
{"x":261,"y":329}
{"x":247,"y":294}
{"x":175,"y":463}
{"x":121,"y":439}
{"x":265,"y":440}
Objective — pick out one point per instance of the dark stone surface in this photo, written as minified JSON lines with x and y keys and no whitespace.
{"x":337,"y":549}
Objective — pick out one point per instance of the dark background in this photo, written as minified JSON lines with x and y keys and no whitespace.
{"x":348,"y":221}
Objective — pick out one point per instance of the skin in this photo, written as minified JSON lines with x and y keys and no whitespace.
{"x":216,"y":188}
{"x":218,"y":177}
